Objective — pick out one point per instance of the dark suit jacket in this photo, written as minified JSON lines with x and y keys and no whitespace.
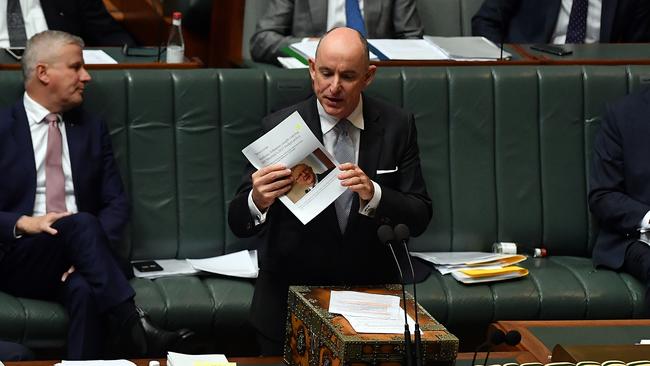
{"x":619,"y":193}
{"x":87,"y":19}
{"x":317,"y":253}
{"x":97,"y":183}
{"x":288,"y":21}
{"x":533,"y":21}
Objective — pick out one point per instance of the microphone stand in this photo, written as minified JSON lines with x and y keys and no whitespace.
{"x":407,"y":332}
{"x":402,"y":233}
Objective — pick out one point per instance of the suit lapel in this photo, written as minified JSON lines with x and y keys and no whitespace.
{"x":370,"y":145}
{"x":608,"y":13}
{"x":24,"y":145}
{"x":318,"y":12}
{"x":74,"y":135}
{"x":552,"y":11}
{"x":371,"y":14}
{"x":371,"y":141}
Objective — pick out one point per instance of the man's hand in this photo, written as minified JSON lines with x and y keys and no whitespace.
{"x":357,"y":181}
{"x":67,"y":273}
{"x":270,"y":183}
{"x":39,"y":224}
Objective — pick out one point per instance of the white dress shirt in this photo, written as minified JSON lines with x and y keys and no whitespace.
{"x":39,"y":131}
{"x":32,"y":16}
{"x":336,"y":13}
{"x":593,"y":22}
{"x":327,"y":124}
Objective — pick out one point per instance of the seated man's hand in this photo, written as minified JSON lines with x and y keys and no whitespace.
{"x":357,"y":181}
{"x":39,"y":224}
{"x":270,"y":183}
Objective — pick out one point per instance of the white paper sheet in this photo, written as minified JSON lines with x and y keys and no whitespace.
{"x":171,"y":267}
{"x":408,"y":49}
{"x":459,"y":258}
{"x":239,"y":264}
{"x":291,"y":63}
{"x":293,"y":144}
{"x":373,"y":325}
{"x":97,"y":57}
{"x":363,"y":304}
{"x":181,"y":359}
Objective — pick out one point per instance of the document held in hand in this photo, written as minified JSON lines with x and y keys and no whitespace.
{"x":314,"y":171}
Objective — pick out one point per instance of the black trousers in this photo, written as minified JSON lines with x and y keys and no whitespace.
{"x":33,"y":266}
{"x":637,"y":263}
{"x":14,"y":352}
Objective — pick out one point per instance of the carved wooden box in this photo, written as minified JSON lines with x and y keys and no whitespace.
{"x":316,"y":337}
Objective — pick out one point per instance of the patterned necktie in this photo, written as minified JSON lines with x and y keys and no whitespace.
{"x":353,"y":17}
{"x":577,"y":28}
{"x":344,"y":153}
{"x":54,"y":180}
{"x":15,"y":24}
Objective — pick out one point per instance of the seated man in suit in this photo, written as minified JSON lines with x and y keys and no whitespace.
{"x":563,"y":21}
{"x":619,"y":194}
{"x":87,"y":19}
{"x":64,"y":203}
{"x":14,"y":352}
{"x":290,"y":21}
{"x":339,"y":246}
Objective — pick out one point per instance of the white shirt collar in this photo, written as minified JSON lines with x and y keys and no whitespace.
{"x":35,"y":112}
{"x":328,"y":122}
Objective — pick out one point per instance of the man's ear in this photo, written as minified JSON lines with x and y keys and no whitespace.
{"x":41,"y":73}
{"x":312,"y":68}
{"x":370,"y":75}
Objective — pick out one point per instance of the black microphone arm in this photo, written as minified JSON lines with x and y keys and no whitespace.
{"x":494,"y":338}
{"x":402,"y":234}
{"x":386,"y":235}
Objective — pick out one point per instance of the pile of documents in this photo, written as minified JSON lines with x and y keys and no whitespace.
{"x":476,"y":267}
{"x":238,"y":264}
{"x":181,"y":359}
{"x":370,"y":313}
{"x":428,"y":48}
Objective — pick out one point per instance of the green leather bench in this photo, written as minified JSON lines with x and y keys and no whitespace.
{"x":505,"y":154}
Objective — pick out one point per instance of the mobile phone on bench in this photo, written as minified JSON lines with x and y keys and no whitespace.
{"x":554,"y":49}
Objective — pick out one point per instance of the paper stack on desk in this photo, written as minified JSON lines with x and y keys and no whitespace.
{"x":476,"y":267}
{"x":238,"y":264}
{"x":181,"y":359}
{"x":370,"y":313}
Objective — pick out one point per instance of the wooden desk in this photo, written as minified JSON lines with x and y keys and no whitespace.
{"x":540,"y":337}
{"x":124,"y":62}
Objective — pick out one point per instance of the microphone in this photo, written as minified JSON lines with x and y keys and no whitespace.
{"x":387,"y":236}
{"x":402,"y":234}
{"x":494,"y":338}
{"x":512,"y":338}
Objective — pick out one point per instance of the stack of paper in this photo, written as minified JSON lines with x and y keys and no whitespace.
{"x":475,"y":267}
{"x":181,"y":359}
{"x":370,"y":313}
{"x":238,"y":264}
{"x":302,"y":51}
{"x":468,"y":48}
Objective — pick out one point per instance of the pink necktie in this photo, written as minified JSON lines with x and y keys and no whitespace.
{"x":54,"y":180}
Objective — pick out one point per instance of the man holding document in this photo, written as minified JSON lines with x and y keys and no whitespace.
{"x":375,"y":145}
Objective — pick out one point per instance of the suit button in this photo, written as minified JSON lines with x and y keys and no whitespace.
{"x":249,"y":226}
